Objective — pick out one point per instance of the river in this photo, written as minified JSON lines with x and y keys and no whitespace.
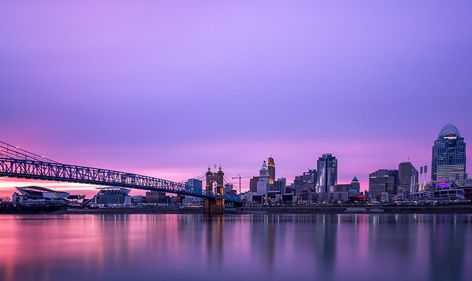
{"x":236,"y":247}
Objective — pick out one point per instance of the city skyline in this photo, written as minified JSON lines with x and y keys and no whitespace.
{"x":167,"y":92}
{"x":7,"y":187}
{"x":235,"y":140}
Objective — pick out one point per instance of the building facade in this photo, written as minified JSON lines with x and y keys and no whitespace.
{"x":194,"y":185}
{"x":407,"y":178}
{"x":263,"y":181}
{"x":112,"y":196}
{"x":253,"y":184}
{"x":155,"y":197}
{"x":39,"y":196}
{"x":271,"y":168}
{"x":383,"y":181}
{"x":356,"y":186}
{"x":449,"y":156}
{"x":307,"y":180}
{"x":280,"y":184}
{"x":353,"y":188}
{"x":327,"y":178}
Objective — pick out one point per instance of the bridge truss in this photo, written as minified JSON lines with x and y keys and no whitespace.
{"x":18,"y":163}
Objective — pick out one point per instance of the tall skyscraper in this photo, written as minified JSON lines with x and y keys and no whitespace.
{"x":383,"y":181}
{"x":407,"y":178}
{"x":327,"y":178}
{"x":263,"y":182}
{"x":271,"y":167}
{"x":449,"y":159}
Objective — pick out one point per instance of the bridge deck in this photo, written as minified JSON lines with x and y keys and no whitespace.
{"x":54,"y":171}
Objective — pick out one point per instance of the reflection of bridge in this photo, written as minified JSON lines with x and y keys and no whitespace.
{"x":19,"y":163}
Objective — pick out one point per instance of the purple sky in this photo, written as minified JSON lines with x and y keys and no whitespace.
{"x":166,"y":88}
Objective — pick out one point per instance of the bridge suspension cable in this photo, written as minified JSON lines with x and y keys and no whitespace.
{"x":10,"y":151}
{"x":19,"y":163}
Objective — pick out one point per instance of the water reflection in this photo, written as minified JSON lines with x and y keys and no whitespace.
{"x":246,"y":247}
{"x":447,"y":239}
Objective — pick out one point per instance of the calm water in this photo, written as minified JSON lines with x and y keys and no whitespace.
{"x":247,"y":247}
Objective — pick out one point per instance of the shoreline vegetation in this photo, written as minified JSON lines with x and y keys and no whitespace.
{"x":354,"y":209}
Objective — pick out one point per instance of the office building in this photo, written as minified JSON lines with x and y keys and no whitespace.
{"x":271,"y":168}
{"x":303,"y":186}
{"x":253,"y":184}
{"x":307,"y":180}
{"x":229,"y":189}
{"x":356,"y":186}
{"x":449,"y":156}
{"x":383,"y":181}
{"x":155,"y":197}
{"x":280,"y":184}
{"x":407,"y":178}
{"x":353,"y":188}
{"x":194,"y":186}
{"x":327,"y":178}
{"x":263,"y":181}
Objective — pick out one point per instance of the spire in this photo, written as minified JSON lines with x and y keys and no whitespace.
{"x":264,"y":170}
{"x":209,"y":173}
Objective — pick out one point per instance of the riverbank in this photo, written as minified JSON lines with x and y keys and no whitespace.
{"x":446,"y":209}
{"x":83,"y":211}
{"x":462,"y":209}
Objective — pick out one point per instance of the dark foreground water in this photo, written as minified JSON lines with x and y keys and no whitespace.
{"x":242,"y":247}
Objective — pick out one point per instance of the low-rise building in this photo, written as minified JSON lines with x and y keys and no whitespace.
{"x":333,"y":197}
{"x":383,"y":181}
{"x":112,"y":196}
{"x":352,"y":188}
{"x":39,"y":196}
{"x":194,"y":186}
{"x":281,"y":184}
{"x":156,"y":197}
{"x":138,"y":199}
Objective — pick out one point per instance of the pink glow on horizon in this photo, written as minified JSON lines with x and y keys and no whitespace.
{"x":166,"y":89}
{"x":355,"y":158}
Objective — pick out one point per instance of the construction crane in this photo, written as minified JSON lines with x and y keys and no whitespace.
{"x":239,"y":178}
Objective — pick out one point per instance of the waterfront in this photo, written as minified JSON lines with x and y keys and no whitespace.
{"x":236,"y":247}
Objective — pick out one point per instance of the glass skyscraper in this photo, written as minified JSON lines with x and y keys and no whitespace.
{"x":449,"y":160}
{"x":327,"y":167}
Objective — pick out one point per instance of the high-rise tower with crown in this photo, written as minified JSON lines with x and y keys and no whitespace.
{"x":271,"y":167}
{"x":449,"y":159}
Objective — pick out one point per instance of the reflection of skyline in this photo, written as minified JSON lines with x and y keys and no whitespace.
{"x":263,"y":240}
{"x":325,"y":244}
{"x":390,"y":239}
{"x":248,"y":247}
{"x":447,"y":240}
{"x":214,"y":241}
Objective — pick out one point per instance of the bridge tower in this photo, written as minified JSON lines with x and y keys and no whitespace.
{"x":214,"y":186}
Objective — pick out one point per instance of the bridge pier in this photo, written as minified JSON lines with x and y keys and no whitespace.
{"x":212,"y":206}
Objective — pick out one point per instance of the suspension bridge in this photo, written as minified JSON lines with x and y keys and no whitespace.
{"x":16,"y":162}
